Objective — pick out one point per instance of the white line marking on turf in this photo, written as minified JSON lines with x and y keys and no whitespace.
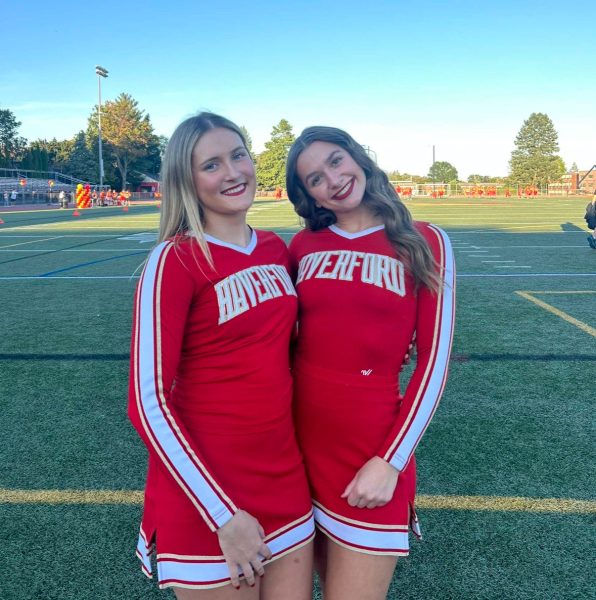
{"x":67,"y":235}
{"x":27,"y":278}
{"x":498,"y":261}
{"x":72,"y":227}
{"x":143,"y":238}
{"x":504,"y":231}
{"x":549,"y":246}
{"x":479,"y":275}
{"x":513,"y":267}
{"x":32,"y":242}
{"x":78,"y":250}
{"x":526,"y":275}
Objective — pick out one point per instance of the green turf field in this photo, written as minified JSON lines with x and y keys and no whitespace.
{"x":506,"y":469}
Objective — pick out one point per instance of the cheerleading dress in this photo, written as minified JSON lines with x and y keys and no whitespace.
{"x":358,"y":312}
{"x":210,"y":395}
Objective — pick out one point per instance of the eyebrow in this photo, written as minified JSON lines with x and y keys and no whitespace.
{"x":208,"y":160}
{"x":327,"y":161}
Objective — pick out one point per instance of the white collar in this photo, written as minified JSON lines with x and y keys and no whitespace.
{"x":357,"y":234}
{"x":242,"y":249}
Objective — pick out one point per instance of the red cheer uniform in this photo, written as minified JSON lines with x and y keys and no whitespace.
{"x":358,"y":312}
{"x":210,"y":395}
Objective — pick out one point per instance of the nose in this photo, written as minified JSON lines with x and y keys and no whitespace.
{"x":334,"y":179}
{"x":232,"y":171}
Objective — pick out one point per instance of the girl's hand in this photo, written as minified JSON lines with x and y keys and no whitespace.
{"x":241,"y":541}
{"x":373,"y":485}
{"x":409,"y":353}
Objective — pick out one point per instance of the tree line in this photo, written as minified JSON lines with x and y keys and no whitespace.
{"x":131,"y":149}
{"x":130,"y":146}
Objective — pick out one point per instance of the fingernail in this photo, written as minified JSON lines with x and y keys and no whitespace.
{"x":252,"y":585}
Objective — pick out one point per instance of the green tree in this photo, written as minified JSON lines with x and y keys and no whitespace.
{"x":271,"y":163}
{"x":127,"y":133}
{"x":247,"y":138}
{"x":58,"y":153}
{"x":535,"y":160}
{"x":394,"y":176}
{"x":110,"y":176}
{"x":12,"y":146}
{"x":36,"y":157}
{"x":574,"y":168}
{"x":442,"y":172}
{"x":81,"y":162}
{"x":478,"y":178}
{"x":151,"y":163}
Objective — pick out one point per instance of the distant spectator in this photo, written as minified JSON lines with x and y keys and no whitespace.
{"x":6,"y":198}
{"x":13,"y":197}
{"x":590,"y":218}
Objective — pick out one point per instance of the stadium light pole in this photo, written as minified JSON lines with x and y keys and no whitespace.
{"x":101,"y":72}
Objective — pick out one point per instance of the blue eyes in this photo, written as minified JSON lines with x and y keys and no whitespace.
{"x":212,"y":166}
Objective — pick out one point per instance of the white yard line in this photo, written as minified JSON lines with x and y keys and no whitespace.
{"x":505,"y":232}
{"x":483,"y":275}
{"x":78,"y":250}
{"x":28,"y":278}
{"x":67,"y":235}
{"x":32,"y":242}
{"x":548,"y":246}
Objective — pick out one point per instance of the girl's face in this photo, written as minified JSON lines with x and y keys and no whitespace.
{"x":223,"y":173}
{"x":331,"y":177}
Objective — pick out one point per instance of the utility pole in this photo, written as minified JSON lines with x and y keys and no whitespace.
{"x":101,"y":72}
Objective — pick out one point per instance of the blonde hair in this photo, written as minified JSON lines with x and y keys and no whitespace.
{"x":181,"y":210}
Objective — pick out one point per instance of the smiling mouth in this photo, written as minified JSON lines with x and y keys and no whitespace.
{"x":345,"y":191}
{"x":237,"y":190}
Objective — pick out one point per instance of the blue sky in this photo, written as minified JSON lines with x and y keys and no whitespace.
{"x":399,"y":76}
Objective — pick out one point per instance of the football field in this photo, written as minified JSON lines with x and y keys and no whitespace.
{"x":505,"y":472}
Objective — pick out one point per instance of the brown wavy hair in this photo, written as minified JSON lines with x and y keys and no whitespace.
{"x":379,"y":198}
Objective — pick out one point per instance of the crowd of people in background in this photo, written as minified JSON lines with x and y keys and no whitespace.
{"x":107,"y":197}
{"x":471,"y":191}
{"x":110,"y":198}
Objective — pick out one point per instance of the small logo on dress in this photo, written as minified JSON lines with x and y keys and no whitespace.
{"x":366,"y":372}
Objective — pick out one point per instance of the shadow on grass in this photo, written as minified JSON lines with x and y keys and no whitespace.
{"x":570,"y":227}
